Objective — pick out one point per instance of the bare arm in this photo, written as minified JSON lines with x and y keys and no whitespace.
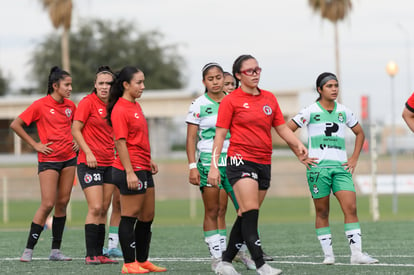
{"x":17,"y":127}
{"x":132,"y":179}
{"x":292,"y":125}
{"x":214,"y":174}
{"x":77,"y":127}
{"x":408,"y":117}
{"x":192,"y":129}
{"x":359,"y":141}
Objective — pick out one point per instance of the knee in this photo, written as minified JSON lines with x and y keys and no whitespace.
{"x":322,"y":213}
{"x":222,"y":212}
{"x":47,"y":206}
{"x":212,"y":212}
{"x":95,"y":210}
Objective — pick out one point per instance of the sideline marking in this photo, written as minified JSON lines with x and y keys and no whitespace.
{"x":276,"y":262}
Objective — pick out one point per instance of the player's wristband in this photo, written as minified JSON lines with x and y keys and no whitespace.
{"x":192,"y":165}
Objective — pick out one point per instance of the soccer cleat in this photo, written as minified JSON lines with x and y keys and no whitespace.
{"x":246,"y":260}
{"x":214,"y":263}
{"x":92,"y":260}
{"x":267,"y":257}
{"x":268,"y":270}
{"x":225,"y":268}
{"x":106,"y":260}
{"x":114,"y":252}
{"x":362,"y":258}
{"x":105,"y":251}
{"x":27,"y":255}
{"x":56,"y":255}
{"x":152,"y":267}
{"x":133,"y":268}
{"x":329,"y":260}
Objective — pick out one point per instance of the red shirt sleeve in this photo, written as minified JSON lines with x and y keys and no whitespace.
{"x":410,"y":103}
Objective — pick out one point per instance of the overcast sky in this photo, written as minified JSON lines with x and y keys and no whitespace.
{"x":291,"y":43}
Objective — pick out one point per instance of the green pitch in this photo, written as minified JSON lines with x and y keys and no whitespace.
{"x":286,"y":228}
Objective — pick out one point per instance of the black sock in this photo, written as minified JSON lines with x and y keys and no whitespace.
{"x":100,"y":241}
{"x":235,"y":241}
{"x":91,"y":239}
{"x":251,"y":237}
{"x":126,"y":235}
{"x":34,"y":234}
{"x":58,"y":225}
{"x":143,"y":239}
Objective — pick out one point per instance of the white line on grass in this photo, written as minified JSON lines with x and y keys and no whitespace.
{"x":171,"y":259}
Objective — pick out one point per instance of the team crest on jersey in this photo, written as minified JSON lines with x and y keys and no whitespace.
{"x":68,"y":112}
{"x":303,"y":120}
{"x":315,"y":189}
{"x":87,"y":178}
{"x":267,"y":110}
{"x":196,"y":115}
{"x":340,"y":117}
{"x":245,"y":175}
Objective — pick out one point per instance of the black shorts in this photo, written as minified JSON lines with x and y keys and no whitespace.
{"x":144,"y":177}
{"x":94,"y":176}
{"x":248,"y":169}
{"x":58,"y":165}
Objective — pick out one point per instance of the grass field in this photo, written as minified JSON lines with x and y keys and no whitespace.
{"x":287,"y":232}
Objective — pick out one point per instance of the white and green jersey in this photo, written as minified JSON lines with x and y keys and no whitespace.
{"x":203,"y":112}
{"x":326,"y":132}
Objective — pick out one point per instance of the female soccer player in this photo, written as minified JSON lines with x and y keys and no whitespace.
{"x":229,"y":82}
{"x":94,"y":136}
{"x":249,"y":113}
{"x":56,"y":151}
{"x":328,"y":165}
{"x":133,"y":170}
{"x":201,"y":125}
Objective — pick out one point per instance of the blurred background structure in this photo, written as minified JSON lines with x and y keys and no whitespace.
{"x":172,"y":40}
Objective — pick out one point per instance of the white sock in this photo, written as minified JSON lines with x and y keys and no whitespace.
{"x":112,"y":240}
{"x":326,"y":244}
{"x":243,"y":248}
{"x":354,"y":240}
{"x":213,"y":243}
{"x":223,"y":243}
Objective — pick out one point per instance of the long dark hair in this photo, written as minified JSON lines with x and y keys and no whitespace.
{"x":103,"y":70}
{"x":237,"y":65}
{"x":56,"y":74}
{"x":117,"y":88}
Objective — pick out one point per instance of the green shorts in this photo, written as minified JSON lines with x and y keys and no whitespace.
{"x":322,"y":180}
{"x":224,"y":182}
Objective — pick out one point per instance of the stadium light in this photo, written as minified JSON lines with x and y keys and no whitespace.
{"x":392,"y":70}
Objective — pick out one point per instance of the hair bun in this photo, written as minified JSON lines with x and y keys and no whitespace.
{"x":55,"y":69}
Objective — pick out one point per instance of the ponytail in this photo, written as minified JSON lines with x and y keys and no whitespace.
{"x":56,"y":74}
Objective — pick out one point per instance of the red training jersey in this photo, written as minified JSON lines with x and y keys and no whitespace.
{"x":96,"y":131}
{"x":53,"y":121}
{"x":250,"y":119}
{"x":129,"y":123}
{"x":410,"y":103}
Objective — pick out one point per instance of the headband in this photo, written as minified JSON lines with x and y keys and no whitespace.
{"x":326,"y":79}
{"x":209,"y":65}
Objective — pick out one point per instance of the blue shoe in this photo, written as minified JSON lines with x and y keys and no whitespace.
{"x":105,"y":251}
{"x":115,"y":252}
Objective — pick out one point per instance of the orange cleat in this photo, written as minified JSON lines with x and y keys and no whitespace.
{"x":133,"y":268}
{"x":152,"y":267}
